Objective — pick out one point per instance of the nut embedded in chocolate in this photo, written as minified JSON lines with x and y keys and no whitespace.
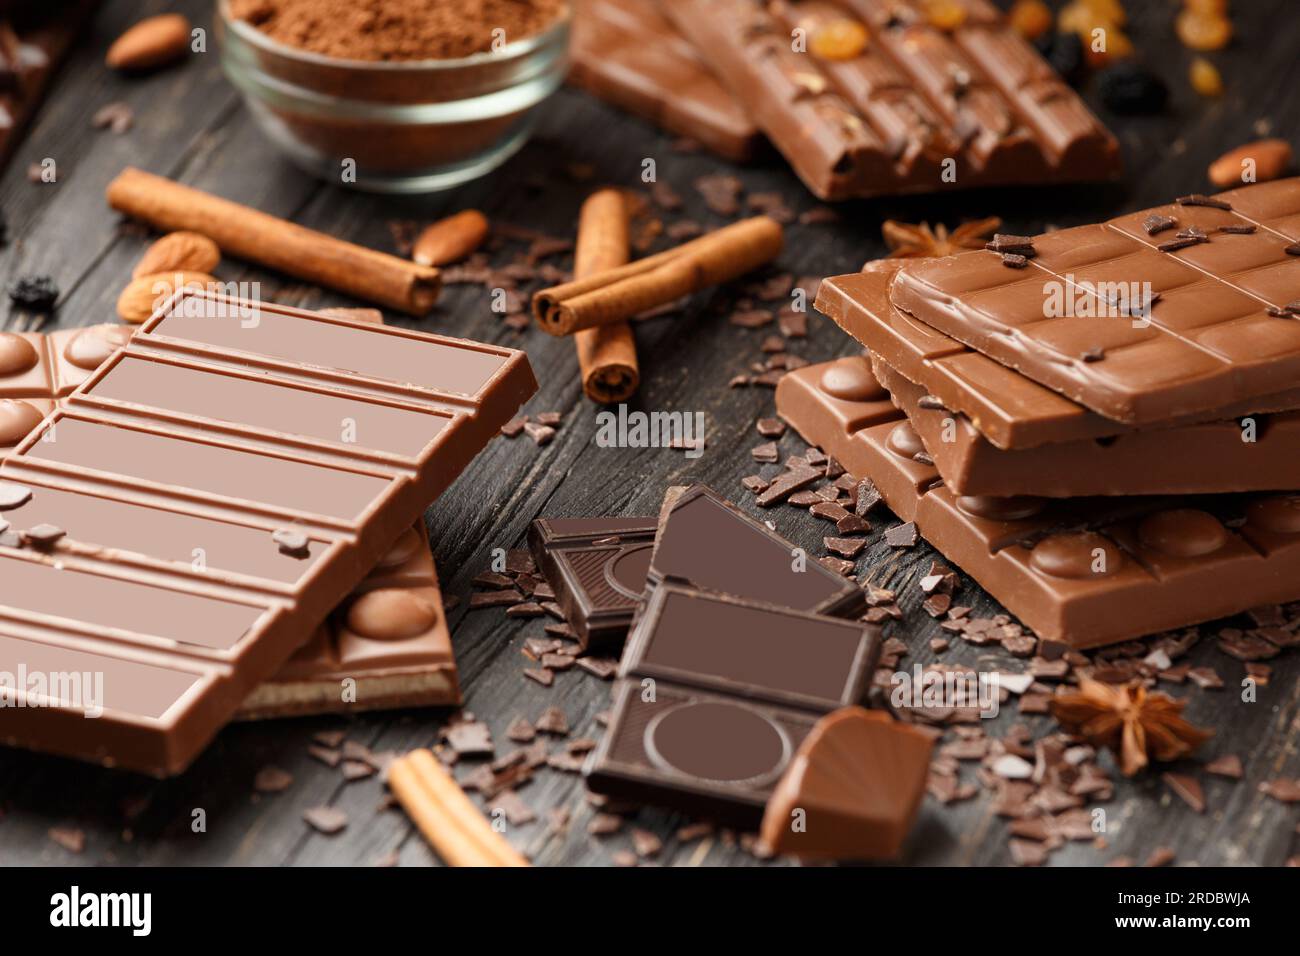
{"x":293,"y":543}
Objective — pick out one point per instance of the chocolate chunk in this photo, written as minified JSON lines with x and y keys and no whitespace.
{"x":13,"y":495}
{"x":292,"y":542}
{"x":902,"y":536}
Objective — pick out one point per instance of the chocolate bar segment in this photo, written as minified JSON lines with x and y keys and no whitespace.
{"x":1085,"y":571}
{"x":386,"y":646}
{"x":710,"y":544}
{"x":1136,"y":327}
{"x":714,"y":696}
{"x":891,"y":111}
{"x":206,"y":530}
{"x":626,"y":53}
{"x":1188,"y":459}
{"x":597,"y":567}
{"x":1010,"y":410}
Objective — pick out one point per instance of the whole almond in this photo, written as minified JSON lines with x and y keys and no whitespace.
{"x":450,"y":239}
{"x":178,"y":252}
{"x":1271,"y":157}
{"x":142,"y":297}
{"x":151,"y":43}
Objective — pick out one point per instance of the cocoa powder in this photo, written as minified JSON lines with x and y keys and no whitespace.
{"x":397,"y":29}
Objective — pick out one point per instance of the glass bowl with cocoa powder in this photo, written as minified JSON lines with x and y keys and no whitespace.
{"x":395,"y":95}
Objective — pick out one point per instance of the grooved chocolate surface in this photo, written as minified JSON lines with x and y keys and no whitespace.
{"x":884,"y":119}
{"x":1208,"y":342}
{"x":153,"y":543}
{"x":715,"y":693}
{"x":1086,"y":571}
{"x":627,"y":53}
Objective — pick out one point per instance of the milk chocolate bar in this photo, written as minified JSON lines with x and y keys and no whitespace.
{"x":1187,"y":307}
{"x":597,"y":568}
{"x":708,"y":543}
{"x":1010,"y":410}
{"x":386,"y":646}
{"x":187,"y":521}
{"x":879,"y":101}
{"x":1190,"y":459}
{"x":715,"y":695}
{"x":39,"y":371}
{"x":628,"y":54}
{"x":1085,"y":571}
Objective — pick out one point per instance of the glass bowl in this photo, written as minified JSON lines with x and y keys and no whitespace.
{"x":409,"y":126}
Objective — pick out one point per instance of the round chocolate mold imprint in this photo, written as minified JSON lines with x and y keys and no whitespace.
{"x":1182,"y":533}
{"x":391,"y":614}
{"x":1072,"y":554}
{"x":90,"y":348}
{"x":17,"y":355}
{"x":850,"y":379}
{"x":1279,"y":514}
{"x":712,"y":740}
{"x":17,"y":419}
{"x":904,"y":441}
{"x":991,"y":508}
{"x":407,"y":543}
{"x":626,"y":571}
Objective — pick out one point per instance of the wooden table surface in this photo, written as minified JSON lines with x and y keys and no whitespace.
{"x":191,"y":125}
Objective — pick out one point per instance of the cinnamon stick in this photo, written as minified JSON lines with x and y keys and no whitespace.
{"x":285,"y":246}
{"x":616,"y":295}
{"x":455,"y":828}
{"x":607,"y":353}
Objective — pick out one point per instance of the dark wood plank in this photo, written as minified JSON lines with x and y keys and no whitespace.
{"x":190,"y":125}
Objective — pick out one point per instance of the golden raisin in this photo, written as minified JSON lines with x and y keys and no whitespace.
{"x":945,"y":14}
{"x":1031,"y":18}
{"x":1200,"y":31}
{"x":841,"y":39}
{"x":1079,"y":18}
{"x":1205,"y":77}
{"x":1117,"y":46}
{"x":1111,"y":10}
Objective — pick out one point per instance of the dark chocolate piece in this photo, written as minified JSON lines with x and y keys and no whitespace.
{"x":714,"y":696}
{"x":708,"y":543}
{"x":221,"y":422}
{"x":597,"y":567}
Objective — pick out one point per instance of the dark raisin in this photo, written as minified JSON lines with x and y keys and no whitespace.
{"x":34,"y":293}
{"x":1129,"y":88}
{"x":1064,"y":52}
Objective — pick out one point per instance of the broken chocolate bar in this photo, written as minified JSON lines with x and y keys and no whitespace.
{"x":1139,"y":335}
{"x":597,"y":567}
{"x":626,"y":53}
{"x":879,"y":101}
{"x":715,"y":695}
{"x":170,"y":472}
{"x":1084,"y":571}
{"x":386,"y":646}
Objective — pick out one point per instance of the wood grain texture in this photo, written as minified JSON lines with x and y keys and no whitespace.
{"x":190,"y":125}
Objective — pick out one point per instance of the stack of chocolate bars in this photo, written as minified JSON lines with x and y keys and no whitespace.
{"x":862,"y":97}
{"x":175,"y":533}
{"x":739,"y":649}
{"x":1098,"y":424}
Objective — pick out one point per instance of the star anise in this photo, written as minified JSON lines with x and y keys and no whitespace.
{"x":1135,"y":723}
{"x":919,"y":242}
